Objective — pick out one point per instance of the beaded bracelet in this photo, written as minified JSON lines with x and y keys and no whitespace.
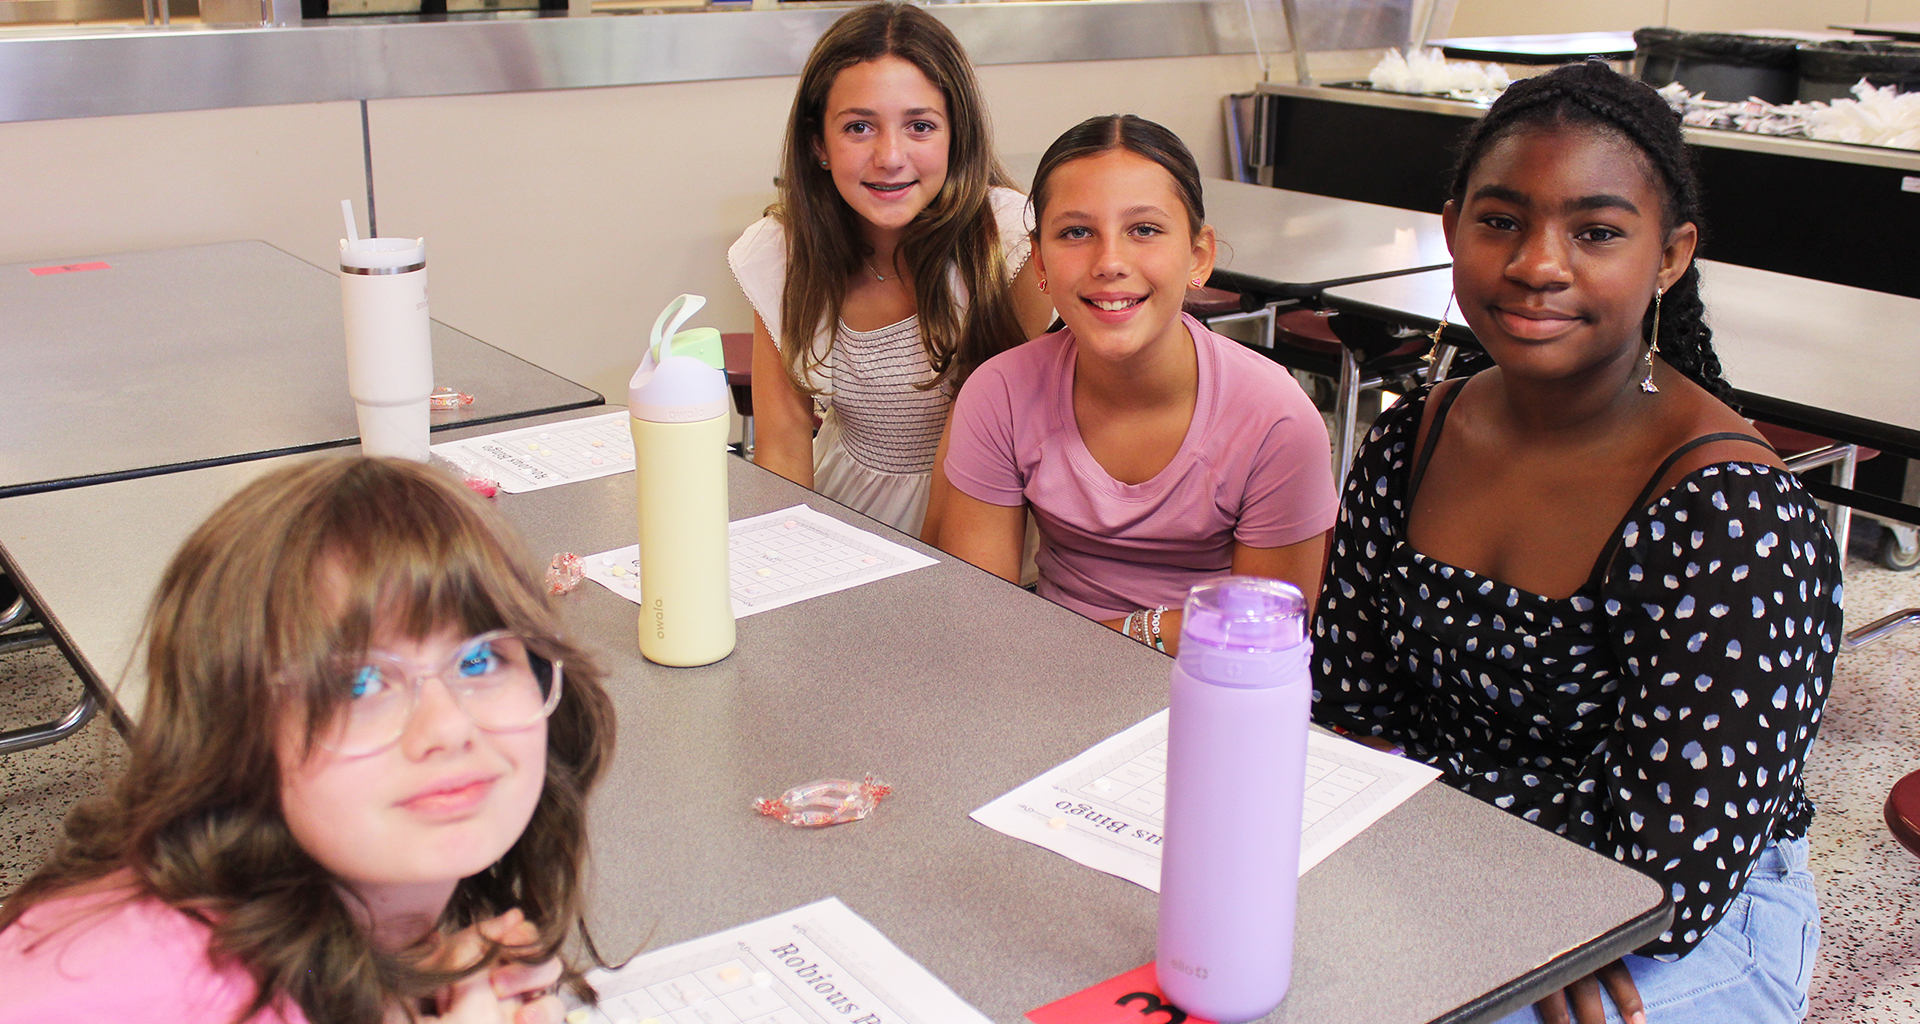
{"x":1153,"y":630}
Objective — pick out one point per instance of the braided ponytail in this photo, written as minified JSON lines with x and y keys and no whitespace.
{"x":1594,"y":94}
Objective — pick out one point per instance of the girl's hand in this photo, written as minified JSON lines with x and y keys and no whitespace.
{"x":1584,"y":998}
{"x":507,"y":992}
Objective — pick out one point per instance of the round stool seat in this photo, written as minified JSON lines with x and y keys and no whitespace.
{"x":1903,"y":812}
{"x":1309,"y":330}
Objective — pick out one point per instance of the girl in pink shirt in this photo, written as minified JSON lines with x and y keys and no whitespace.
{"x":1153,"y":453}
{"x":357,"y":789}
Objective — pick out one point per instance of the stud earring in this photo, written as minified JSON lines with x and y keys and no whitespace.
{"x":1647,"y":384}
{"x":1197,"y":283}
{"x":1043,"y":283}
{"x":823,"y":165}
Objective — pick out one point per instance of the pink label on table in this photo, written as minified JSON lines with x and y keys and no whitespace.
{"x":68,"y":268}
{"x":1130,"y":998}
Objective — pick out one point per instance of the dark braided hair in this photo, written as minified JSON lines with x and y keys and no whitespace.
{"x":1594,"y":94}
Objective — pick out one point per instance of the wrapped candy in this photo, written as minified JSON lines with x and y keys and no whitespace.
{"x":448,"y":398}
{"x":564,"y":573}
{"x":824,"y":802}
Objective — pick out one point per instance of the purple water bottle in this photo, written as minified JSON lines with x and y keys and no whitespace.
{"x":1236,"y":773}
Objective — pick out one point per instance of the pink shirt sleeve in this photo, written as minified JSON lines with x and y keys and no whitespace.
{"x":94,"y":960}
{"x":1290,"y":494}
{"x":983,"y":460}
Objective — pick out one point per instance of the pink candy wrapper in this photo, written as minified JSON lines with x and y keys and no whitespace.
{"x":447,"y":398}
{"x":824,"y":802}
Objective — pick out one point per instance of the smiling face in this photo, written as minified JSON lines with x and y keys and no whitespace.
{"x":445,"y":801}
{"x":885,"y":138}
{"x":1117,"y":253}
{"x":1558,"y":245}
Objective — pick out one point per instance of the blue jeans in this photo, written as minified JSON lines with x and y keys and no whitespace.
{"x":1752,"y":968}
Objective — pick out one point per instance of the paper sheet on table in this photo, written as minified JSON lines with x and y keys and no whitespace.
{"x":817,"y":962}
{"x":1104,"y":808}
{"x":532,"y":458}
{"x":779,"y":559}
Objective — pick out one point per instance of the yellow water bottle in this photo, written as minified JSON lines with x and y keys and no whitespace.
{"x":678,"y":405}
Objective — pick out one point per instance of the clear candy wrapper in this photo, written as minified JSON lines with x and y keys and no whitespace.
{"x":824,"y":802}
{"x":564,"y":573}
{"x":448,"y":398}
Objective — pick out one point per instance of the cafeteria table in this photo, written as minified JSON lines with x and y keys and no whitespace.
{"x":1904,"y":31}
{"x":151,"y":362}
{"x":954,"y":686}
{"x":1815,"y":356}
{"x":1280,"y":244}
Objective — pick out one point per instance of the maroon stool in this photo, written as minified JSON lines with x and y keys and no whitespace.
{"x":1903,"y":812}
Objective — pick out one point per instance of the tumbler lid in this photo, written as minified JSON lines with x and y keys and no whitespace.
{"x":383,"y":253}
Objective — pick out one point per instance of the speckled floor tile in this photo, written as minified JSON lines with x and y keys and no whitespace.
{"x":38,"y":786}
{"x":1869,"y":968}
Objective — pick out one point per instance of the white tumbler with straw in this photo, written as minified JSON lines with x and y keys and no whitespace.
{"x":383,"y":295}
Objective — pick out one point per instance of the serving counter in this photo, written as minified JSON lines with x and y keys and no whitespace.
{"x":1824,"y":210}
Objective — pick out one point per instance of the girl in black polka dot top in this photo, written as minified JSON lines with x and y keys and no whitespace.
{"x":1578,"y":583}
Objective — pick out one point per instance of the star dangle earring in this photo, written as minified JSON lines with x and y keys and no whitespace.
{"x":1438,"y":329}
{"x":1647,"y":385}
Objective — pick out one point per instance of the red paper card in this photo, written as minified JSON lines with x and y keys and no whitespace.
{"x":68,"y":268}
{"x":1130,"y":998}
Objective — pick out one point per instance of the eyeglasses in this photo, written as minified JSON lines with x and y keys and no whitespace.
{"x":494,"y":679}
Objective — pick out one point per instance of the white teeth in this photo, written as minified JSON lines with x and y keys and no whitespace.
{"x":1114,"y":305}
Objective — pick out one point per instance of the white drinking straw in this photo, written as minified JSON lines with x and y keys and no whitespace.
{"x":346,"y":211}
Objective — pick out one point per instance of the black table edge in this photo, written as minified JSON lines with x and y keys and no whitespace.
{"x":1532,"y":59}
{"x":1304,"y":290}
{"x":115,"y":476}
{"x":1564,"y":969}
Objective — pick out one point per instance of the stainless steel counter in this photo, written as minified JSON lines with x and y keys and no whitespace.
{"x":1871,"y":156}
{"x":48,"y":73}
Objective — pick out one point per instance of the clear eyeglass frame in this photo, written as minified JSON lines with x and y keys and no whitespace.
{"x":508,"y":696}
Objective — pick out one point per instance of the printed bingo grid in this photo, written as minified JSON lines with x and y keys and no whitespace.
{"x":1138,"y":785}
{"x":1105,"y":807}
{"x":714,"y":986}
{"x":777,"y":559}
{"x":531,"y":458}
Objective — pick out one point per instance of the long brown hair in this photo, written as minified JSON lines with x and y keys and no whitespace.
{"x":824,"y":241}
{"x":238,"y":647}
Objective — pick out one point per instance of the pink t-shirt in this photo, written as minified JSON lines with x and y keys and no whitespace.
{"x":89,"y":959}
{"x":1255,"y":468}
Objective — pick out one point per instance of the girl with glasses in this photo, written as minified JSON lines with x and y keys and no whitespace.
{"x":357,"y":789}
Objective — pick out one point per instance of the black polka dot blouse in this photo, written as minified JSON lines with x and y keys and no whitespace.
{"x":1661,"y":715}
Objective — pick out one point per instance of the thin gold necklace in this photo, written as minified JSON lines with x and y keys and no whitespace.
{"x":877,"y":276}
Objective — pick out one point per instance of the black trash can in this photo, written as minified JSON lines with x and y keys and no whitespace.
{"x":1718,"y":66}
{"x":1828,"y":71}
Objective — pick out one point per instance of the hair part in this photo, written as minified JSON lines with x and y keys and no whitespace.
{"x":1591,"y":95}
{"x":825,"y":242}
{"x":302,"y":565}
{"x":1132,"y":134}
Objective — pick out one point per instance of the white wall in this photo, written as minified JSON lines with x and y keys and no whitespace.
{"x":559,"y":223}
{"x":119,"y":184}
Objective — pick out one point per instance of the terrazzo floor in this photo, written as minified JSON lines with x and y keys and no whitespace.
{"x":1869,"y":967}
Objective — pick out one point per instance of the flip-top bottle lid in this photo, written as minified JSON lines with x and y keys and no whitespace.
{"x":670,"y":388}
{"x":1244,"y":613}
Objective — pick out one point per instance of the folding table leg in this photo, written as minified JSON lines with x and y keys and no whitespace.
{"x":1346,"y":411}
{"x":13,"y":740}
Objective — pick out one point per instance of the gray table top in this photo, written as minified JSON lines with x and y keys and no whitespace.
{"x":1294,"y":244}
{"x":956,"y":687}
{"x":200,"y":355}
{"x":1809,"y":354}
